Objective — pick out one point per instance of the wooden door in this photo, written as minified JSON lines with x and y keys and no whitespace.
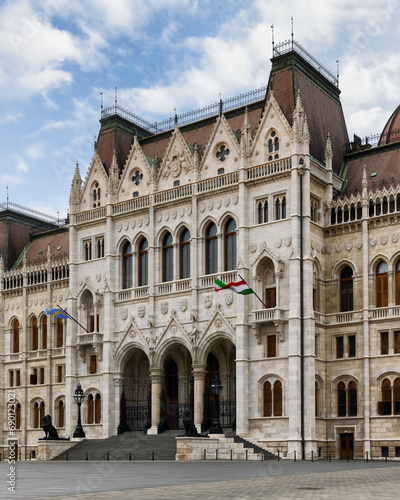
{"x":346,"y":446}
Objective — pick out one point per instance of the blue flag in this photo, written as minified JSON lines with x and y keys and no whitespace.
{"x":57,"y":313}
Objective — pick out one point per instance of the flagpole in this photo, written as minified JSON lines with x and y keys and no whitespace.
{"x":265,"y":307}
{"x":73,"y":319}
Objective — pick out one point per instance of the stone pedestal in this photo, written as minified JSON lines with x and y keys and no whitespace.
{"x":47,"y":450}
{"x":217,"y":447}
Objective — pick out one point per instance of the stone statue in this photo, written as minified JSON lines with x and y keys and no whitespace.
{"x":49,"y":429}
{"x":190,"y":428}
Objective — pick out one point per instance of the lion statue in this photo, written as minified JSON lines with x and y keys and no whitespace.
{"x":48,"y":427}
{"x":190,"y":428}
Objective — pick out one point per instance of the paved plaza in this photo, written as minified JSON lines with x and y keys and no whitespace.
{"x":202,"y":480}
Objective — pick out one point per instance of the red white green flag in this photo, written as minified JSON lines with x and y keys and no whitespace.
{"x":236,"y":286}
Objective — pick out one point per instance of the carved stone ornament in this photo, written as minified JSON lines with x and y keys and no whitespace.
{"x":141,"y":311}
{"x":288,"y":241}
{"x":235,"y":199}
{"x":174,"y":214}
{"x":395,"y":237}
{"x":133,"y":224}
{"x":181,"y":212}
{"x":132,"y":333}
{"x":202,"y":207}
{"x":126,"y":226}
{"x":208,"y":301}
{"x":119,"y":227}
{"x":359,"y":244}
{"x":189,"y":210}
{"x":384,"y":239}
{"x":339,"y":247}
{"x":147,"y":221}
{"x":140,"y":223}
{"x":323,"y":250}
{"x":124,"y":313}
{"x":373,"y":241}
{"x":210,"y":205}
{"x":164,"y":307}
{"x":226,"y":202}
{"x":253,"y":248}
{"x":218,"y":203}
{"x":159,"y":218}
{"x":183,"y":305}
{"x":228,"y":298}
{"x":98,"y":277}
{"x":166,"y":216}
{"x":349,"y":246}
{"x":30,"y":303}
{"x":278,"y":243}
{"x":328,"y":249}
{"x":174,"y":329}
{"x":218,"y":322}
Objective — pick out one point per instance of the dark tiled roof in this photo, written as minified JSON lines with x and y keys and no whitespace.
{"x":36,"y":250}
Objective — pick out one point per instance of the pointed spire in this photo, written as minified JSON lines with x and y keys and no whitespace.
{"x":24,"y":260}
{"x":76,"y":187}
{"x":245,"y":139}
{"x":196,"y":157}
{"x":306,"y":131}
{"x":299,"y":103}
{"x":364,"y":178}
{"x":113,"y":175}
{"x":1,"y":263}
{"x":328,"y":148}
{"x":48,"y":252}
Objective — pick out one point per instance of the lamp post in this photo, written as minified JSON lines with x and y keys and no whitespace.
{"x":79,"y":397}
{"x":216,"y":389}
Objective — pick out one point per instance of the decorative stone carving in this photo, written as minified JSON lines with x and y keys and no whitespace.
{"x":98,"y":277}
{"x":174,"y":214}
{"x":253,"y":248}
{"x":349,"y":246}
{"x":126,"y":226}
{"x":384,"y":239}
{"x":141,"y":311}
{"x":159,"y":217}
{"x":373,"y":241}
{"x":119,"y":227}
{"x":164,"y":307}
{"x":328,"y":249}
{"x":189,"y":210}
{"x":218,"y":322}
{"x":202,"y":207}
{"x":124,"y":313}
{"x":174,"y":329}
{"x":182,"y":212}
{"x":208,"y":301}
{"x":228,"y":298}
{"x":210,"y":205}
{"x":339,"y":247}
{"x":226,"y":202}
{"x":183,"y":305}
{"x":218,"y":203}
{"x":288,"y":241}
{"x":166,"y":216}
{"x":147,"y":221}
{"x":395,"y":237}
{"x":235,"y":199}
{"x":140,"y":223}
{"x":359,"y":244}
{"x":278,"y":243}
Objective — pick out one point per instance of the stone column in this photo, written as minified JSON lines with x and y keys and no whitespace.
{"x":156,"y":375}
{"x":199,"y":373}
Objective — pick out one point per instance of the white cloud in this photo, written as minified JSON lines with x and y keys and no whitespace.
{"x":18,"y":163}
{"x":12,"y":117}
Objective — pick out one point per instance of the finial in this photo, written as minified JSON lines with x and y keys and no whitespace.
{"x":292,"y":33}
{"x":273,"y":41}
{"x":116,"y":96}
{"x":101,"y":102}
{"x":220,"y":104}
{"x":176,"y":117}
{"x":337,"y":72}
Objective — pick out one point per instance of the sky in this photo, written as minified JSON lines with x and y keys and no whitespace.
{"x":58,"y":56}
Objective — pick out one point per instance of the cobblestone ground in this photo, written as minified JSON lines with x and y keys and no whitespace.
{"x":242,"y":481}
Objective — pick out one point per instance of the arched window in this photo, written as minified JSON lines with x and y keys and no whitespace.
{"x":143,"y":262}
{"x":96,"y":195}
{"x":97,"y":409}
{"x":18,"y":416}
{"x":15,"y":346}
{"x":333,"y":216}
{"x":90,"y":409}
{"x":386,"y":408}
{"x":278,"y":399}
{"x":267,"y":399}
{"x":396,"y":396}
{"x":346,"y":289}
{"x":184,"y":254}
{"x":35,"y":334}
{"x":359,"y":210}
{"x":397,"y":280}
{"x":352,"y":399}
{"x":38,"y":414}
{"x":317,"y":393}
{"x":211,"y":249}
{"x":230,"y":245}
{"x":280,"y":208}
{"x":381,"y":285}
{"x":60,"y":413}
{"x":59,"y":332}
{"x":127,"y":266}
{"x":341,"y":399}
{"x":167,"y":258}
{"x":44,"y":332}
{"x":262,"y":211}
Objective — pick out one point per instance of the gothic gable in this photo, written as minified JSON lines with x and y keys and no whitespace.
{"x":136,"y":178}
{"x":222,"y":150}
{"x":217,"y":323}
{"x":175,"y":329}
{"x":94,"y":189}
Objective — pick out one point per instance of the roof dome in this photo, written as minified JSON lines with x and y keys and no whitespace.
{"x":391,"y":131}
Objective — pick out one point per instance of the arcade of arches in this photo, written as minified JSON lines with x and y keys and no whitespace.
{"x":154,"y":398}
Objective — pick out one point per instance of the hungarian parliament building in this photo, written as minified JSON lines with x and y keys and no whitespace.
{"x":266,"y":187}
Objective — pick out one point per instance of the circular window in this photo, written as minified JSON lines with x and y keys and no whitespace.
{"x":137,"y":177}
{"x":222,"y":153}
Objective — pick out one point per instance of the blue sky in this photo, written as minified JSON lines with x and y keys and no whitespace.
{"x":56,"y":56}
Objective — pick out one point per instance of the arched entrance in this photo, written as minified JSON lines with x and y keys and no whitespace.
{"x":177,"y":392}
{"x":221,"y":361}
{"x":136,"y":395}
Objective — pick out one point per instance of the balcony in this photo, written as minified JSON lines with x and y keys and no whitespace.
{"x":272,"y":315}
{"x":84,"y":339}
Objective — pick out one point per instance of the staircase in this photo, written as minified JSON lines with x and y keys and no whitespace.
{"x":127,"y":446}
{"x":256,"y":449}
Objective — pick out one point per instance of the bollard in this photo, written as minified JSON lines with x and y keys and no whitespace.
{"x":87,"y":456}
{"x":216,"y":454}
{"x":386,"y":458}
{"x":231,"y":454}
{"x":279,"y":457}
{"x":66,"y":456}
{"x":30,"y":456}
{"x":205,"y":454}
{"x":247,"y":451}
{"x":312,"y":455}
{"x":152,"y":456}
{"x":108,"y":456}
{"x":366,"y":456}
{"x":130,"y":456}
{"x":330,"y":458}
{"x":294,"y":453}
{"x":262,"y":456}
{"x":348,"y":455}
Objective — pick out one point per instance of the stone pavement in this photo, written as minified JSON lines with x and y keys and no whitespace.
{"x":203,"y":480}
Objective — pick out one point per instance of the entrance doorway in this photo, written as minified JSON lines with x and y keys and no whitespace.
{"x":171,"y":392}
{"x":346,"y":441}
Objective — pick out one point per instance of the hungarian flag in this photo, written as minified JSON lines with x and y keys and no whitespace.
{"x":57,"y":313}
{"x":236,"y":286}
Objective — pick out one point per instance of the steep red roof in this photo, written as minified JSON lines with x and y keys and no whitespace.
{"x":391,"y":131}
{"x":36,"y":251}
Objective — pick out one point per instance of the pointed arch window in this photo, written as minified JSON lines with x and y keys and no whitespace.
{"x":396,"y":396}
{"x":184,"y":254}
{"x":18,"y":416}
{"x":60,"y":413}
{"x":59,"y":333}
{"x":280,"y":208}
{"x":278,"y":398}
{"x":35,"y":334}
{"x":230,"y":245}
{"x":143,"y":262}
{"x":341,"y":399}
{"x":38,"y":414}
{"x":127,"y":265}
{"x":96,"y":195}
{"x":352,"y":399}
{"x":272,"y":399}
{"x":15,"y":345}
{"x":168,"y":258}
{"x":44,"y":332}
{"x":346,"y":289}
{"x":267,"y":399}
{"x":386,"y":405}
{"x":97,"y":409}
{"x":90,"y":409}
{"x":381,"y":284}
{"x":211,"y":249}
{"x":397,"y":280}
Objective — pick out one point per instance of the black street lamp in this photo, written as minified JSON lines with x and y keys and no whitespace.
{"x":79,"y":397}
{"x":216,"y":389}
